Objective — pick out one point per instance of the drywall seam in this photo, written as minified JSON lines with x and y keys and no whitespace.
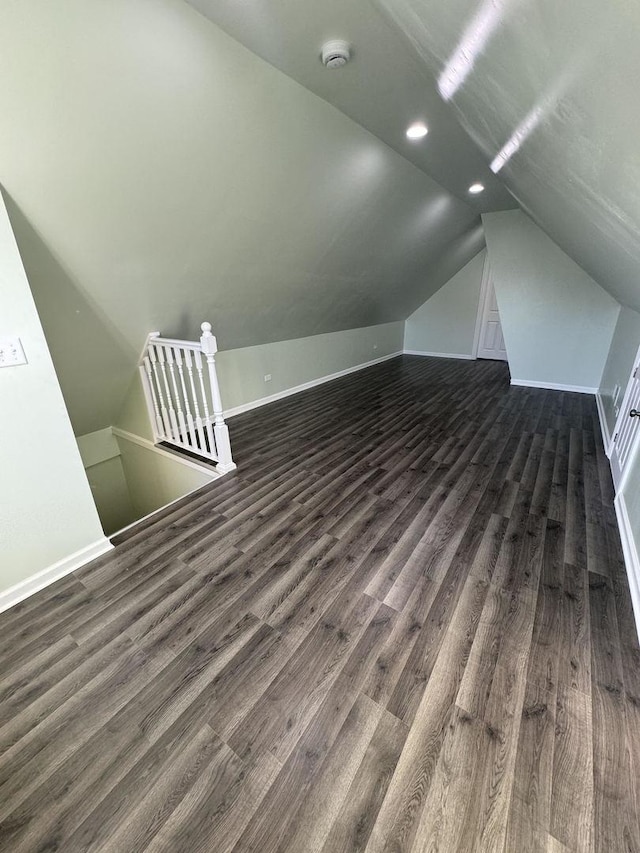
{"x":606,"y":435}
{"x":466,"y":356}
{"x":149,"y":445}
{"x":554,"y":386}
{"x":631,"y":558}
{"x":296,"y":389}
{"x":23,"y":589}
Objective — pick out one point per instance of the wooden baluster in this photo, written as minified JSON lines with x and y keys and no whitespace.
{"x":150,"y":386}
{"x":221,"y":431}
{"x":191,"y":433}
{"x":174,"y":431}
{"x":211,"y":447}
{"x":194,"y":396}
{"x":163,"y":408}
{"x":182,"y":424}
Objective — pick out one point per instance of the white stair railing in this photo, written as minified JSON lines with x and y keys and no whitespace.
{"x":183,"y":396}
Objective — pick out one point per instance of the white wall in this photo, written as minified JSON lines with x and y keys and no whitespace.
{"x":241,"y":372}
{"x":46,"y":511}
{"x":557,"y":321}
{"x":445,"y":324}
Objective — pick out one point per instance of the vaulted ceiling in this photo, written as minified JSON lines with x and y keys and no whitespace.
{"x":384,"y":88}
{"x":546,"y":91}
{"x":160,"y":173}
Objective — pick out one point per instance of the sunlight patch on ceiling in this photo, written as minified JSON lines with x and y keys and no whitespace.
{"x":517,"y":138}
{"x":543,"y":109}
{"x":416,"y":22}
{"x":474,"y":40}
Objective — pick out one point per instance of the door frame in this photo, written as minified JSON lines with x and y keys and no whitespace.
{"x":485,"y":287}
{"x":622,"y":415}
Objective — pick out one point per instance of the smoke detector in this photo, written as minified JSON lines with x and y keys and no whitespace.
{"x":335,"y":53}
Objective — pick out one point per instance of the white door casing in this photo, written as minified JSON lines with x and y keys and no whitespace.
{"x":626,"y":435}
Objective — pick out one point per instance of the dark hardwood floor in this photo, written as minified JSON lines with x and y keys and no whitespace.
{"x":402,"y":625}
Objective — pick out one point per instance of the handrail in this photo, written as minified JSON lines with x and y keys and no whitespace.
{"x":174,"y":342}
{"x":182,"y":393}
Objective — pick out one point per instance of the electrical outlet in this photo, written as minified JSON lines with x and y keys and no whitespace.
{"x":267,"y":377}
{"x":375,"y":346}
{"x":11,"y":352}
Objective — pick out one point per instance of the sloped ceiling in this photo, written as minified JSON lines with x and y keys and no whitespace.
{"x":384,"y":88}
{"x":159,"y":174}
{"x":548,"y":89}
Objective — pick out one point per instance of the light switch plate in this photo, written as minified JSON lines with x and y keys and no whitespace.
{"x":11,"y":352}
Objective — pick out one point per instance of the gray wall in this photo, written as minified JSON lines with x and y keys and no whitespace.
{"x":557,"y":321}
{"x":446,"y":323}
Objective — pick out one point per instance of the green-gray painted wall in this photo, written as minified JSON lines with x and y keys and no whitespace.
{"x":446,"y":322}
{"x":557,"y":321}
{"x":46,"y":509}
{"x":161,"y":174}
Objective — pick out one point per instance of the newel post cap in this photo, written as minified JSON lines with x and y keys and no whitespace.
{"x":208,"y":340}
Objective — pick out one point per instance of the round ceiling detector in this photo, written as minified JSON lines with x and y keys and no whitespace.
{"x":335,"y":53}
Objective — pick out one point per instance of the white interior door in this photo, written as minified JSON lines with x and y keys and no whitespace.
{"x":627,"y":431}
{"x":491,"y":344}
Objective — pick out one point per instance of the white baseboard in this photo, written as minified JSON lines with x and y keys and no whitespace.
{"x":47,"y":576}
{"x":554,"y":386}
{"x":604,"y":427}
{"x":174,"y":457}
{"x":466,"y":356}
{"x":631,"y":558}
{"x":288,"y":392}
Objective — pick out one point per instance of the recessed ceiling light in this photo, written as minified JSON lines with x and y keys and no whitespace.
{"x":476,"y":188}
{"x":417,"y":130}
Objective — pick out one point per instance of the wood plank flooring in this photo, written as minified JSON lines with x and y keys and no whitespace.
{"x":403,"y":625}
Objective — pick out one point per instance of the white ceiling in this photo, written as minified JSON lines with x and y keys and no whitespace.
{"x":549,"y":84}
{"x":384,"y":88}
